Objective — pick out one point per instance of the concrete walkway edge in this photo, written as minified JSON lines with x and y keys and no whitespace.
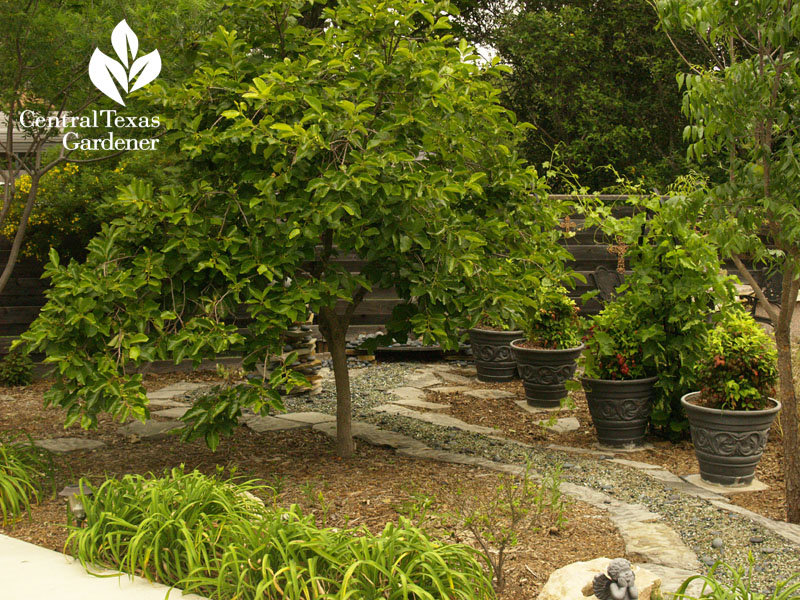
{"x":30,"y":572}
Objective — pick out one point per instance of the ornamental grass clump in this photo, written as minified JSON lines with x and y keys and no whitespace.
{"x":161,"y":528}
{"x":24,"y":470}
{"x":213,"y":537}
{"x":739,"y":369}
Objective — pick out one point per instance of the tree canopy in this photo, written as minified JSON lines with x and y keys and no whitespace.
{"x":375,"y":135}
{"x":745,"y":122}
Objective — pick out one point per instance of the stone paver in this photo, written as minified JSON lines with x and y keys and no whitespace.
{"x":422,"y":404}
{"x":151,"y":430}
{"x":415,"y":398}
{"x":423,"y":378}
{"x":454,"y":378}
{"x":655,"y":543}
{"x":564,"y":425}
{"x":434,"y":418}
{"x":488,"y":394}
{"x":164,"y":403}
{"x":673,"y":577}
{"x":635,"y":464}
{"x":373,"y":435}
{"x":64,"y":445}
{"x":310,"y":417}
{"x":536,"y":410}
{"x":587,"y":451}
{"x":450,"y":389}
{"x":753,"y":486}
{"x":172,"y":413}
{"x":176,"y":389}
{"x":263,"y":424}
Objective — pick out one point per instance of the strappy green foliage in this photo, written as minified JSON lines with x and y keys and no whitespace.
{"x":24,"y":469}
{"x":725,"y":582}
{"x":211,"y":536}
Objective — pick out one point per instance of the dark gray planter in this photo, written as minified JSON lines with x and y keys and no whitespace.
{"x":728,"y":443}
{"x":620,"y":409}
{"x":492,"y":354}
{"x":544,"y":373}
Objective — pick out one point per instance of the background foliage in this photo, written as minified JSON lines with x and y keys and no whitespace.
{"x":595,"y":78}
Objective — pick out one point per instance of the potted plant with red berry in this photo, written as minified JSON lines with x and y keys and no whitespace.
{"x":619,"y":376}
{"x":730,"y":417}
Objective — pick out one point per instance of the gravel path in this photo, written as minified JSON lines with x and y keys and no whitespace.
{"x":711,"y":532}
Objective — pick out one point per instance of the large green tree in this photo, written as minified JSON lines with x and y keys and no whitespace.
{"x":745,"y":120}
{"x":375,"y":136}
{"x":595,"y":77}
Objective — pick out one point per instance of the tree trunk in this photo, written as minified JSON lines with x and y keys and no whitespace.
{"x":788,"y":398}
{"x":20,"y":236}
{"x":334,"y":328}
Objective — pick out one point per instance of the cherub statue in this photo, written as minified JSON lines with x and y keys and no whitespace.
{"x":619,"y":584}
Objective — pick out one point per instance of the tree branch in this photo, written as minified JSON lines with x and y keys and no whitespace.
{"x":771,"y":312}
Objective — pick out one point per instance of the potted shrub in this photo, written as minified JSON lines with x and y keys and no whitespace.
{"x":619,"y":379}
{"x":491,"y":348}
{"x":730,"y":417}
{"x":546,"y":358}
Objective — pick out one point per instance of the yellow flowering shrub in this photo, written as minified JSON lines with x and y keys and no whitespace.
{"x":65,"y":213}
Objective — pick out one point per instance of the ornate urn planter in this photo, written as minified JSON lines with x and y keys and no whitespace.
{"x":620,"y":409}
{"x":544,"y":372}
{"x":728,"y":443}
{"x":492,"y":354}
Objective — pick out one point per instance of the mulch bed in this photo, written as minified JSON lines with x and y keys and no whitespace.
{"x":678,"y":458}
{"x":369,"y":490}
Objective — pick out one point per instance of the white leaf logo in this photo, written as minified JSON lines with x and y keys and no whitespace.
{"x":150,"y":67}
{"x":106,"y":73}
{"x":123,"y":39}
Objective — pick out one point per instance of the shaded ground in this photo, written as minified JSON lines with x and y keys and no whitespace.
{"x":678,"y":458}
{"x":373,"y":488}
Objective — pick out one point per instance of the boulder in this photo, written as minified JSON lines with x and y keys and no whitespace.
{"x":574,"y":582}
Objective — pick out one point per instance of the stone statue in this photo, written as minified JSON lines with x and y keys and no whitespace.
{"x":619,"y":584}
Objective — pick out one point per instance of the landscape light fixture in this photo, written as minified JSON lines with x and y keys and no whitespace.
{"x":73,"y":495}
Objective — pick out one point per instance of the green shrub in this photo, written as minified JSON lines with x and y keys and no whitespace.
{"x":739,"y":587}
{"x":739,"y":369}
{"x":16,"y":368}
{"x":23,"y":470}
{"x":616,"y":343}
{"x":676,"y":287}
{"x":208,"y":535}
{"x":70,"y":203}
{"x":553,"y":321}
